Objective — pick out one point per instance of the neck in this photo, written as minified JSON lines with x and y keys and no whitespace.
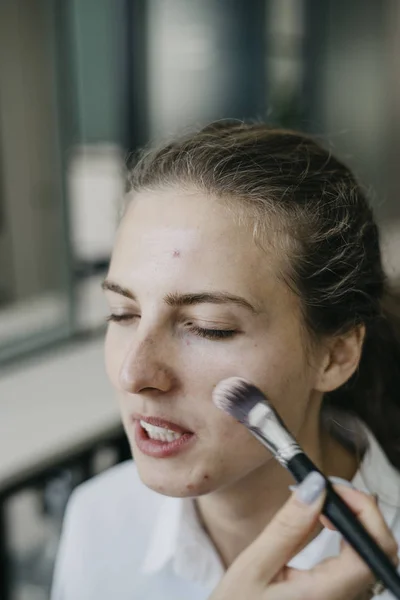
{"x":235,"y":516}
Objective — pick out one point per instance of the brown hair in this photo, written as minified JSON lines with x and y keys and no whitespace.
{"x":334,"y":250}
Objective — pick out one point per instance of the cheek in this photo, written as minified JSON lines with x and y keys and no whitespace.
{"x":277,"y":368}
{"x":288,"y":387}
{"x":235,"y":445}
{"x":208,"y":362}
{"x":280,"y":370}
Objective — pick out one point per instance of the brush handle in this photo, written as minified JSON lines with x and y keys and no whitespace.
{"x":343,"y":518}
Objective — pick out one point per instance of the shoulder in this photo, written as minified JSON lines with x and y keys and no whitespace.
{"x":115,"y":481}
{"x":116,"y":484}
{"x":109,"y":511}
{"x":379,"y":477}
{"x":107,"y":526}
{"x":117,"y":495}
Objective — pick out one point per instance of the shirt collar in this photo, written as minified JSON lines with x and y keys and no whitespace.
{"x":377,"y":475}
{"x":164,"y":537}
{"x":179,"y":538}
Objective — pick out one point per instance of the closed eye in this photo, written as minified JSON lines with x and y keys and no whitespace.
{"x":123,"y":317}
{"x":213,"y":334}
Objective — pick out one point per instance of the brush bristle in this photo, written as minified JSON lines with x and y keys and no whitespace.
{"x":237,"y":397}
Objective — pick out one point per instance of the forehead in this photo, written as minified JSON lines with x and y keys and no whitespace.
{"x":192,"y":239}
{"x":156,"y":221}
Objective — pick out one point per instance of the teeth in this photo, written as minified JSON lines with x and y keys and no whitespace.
{"x":160,"y":433}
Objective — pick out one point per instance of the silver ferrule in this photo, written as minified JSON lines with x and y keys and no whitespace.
{"x":268,"y":428}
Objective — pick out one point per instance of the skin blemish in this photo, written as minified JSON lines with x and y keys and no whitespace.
{"x":176,"y":253}
{"x":189,"y":486}
{"x":206,"y":477}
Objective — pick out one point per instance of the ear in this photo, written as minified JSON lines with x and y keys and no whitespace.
{"x":340,"y":359}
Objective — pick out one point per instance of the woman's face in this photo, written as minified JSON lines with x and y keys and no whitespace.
{"x":198,"y":301}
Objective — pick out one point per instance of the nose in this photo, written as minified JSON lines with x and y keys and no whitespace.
{"x":145,"y":368}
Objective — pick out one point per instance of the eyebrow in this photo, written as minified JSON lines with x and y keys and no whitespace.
{"x":178,"y":300}
{"x":114,"y":287}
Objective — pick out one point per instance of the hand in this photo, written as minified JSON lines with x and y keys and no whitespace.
{"x":260,"y":572}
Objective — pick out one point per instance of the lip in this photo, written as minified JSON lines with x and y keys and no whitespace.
{"x":157,"y":448}
{"x":159,"y":422}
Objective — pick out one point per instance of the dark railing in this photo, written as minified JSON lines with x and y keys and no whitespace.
{"x":53,"y":484}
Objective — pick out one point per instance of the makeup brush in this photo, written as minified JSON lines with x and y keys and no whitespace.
{"x":247,"y":404}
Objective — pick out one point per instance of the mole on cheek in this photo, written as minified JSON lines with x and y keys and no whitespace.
{"x":176,"y":253}
{"x":206,"y":476}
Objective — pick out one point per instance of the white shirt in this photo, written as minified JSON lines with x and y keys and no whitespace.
{"x":123,"y":541}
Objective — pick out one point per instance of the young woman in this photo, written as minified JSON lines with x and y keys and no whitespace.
{"x":243,"y":251}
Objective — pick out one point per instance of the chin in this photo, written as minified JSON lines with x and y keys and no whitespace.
{"x":176,"y":489}
{"x":175,"y":485}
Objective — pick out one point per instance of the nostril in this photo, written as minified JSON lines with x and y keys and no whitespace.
{"x":146,"y":369}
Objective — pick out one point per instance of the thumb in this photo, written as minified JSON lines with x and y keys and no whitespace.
{"x":288,"y":530}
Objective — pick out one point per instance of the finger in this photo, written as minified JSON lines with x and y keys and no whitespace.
{"x":367,"y":511}
{"x":289,"y":528}
{"x":347,"y":575}
{"x":336,"y":481}
{"x":326,"y":522}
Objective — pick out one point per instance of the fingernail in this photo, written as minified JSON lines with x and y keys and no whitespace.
{"x":333,"y":479}
{"x":340,"y":481}
{"x":310,"y":488}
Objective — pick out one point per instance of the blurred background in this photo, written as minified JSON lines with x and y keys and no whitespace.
{"x":83,"y":84}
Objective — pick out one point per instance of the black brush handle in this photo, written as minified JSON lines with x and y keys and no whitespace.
{"x":345,"y":521}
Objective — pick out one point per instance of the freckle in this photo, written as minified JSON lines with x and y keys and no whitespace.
{"x":176,"y":254}
{"x":206,"y":477}
{"x":189,"y":486}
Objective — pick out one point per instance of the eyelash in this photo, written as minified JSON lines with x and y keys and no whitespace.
{"x":211,"y":334}
{"x":118,"y":318}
